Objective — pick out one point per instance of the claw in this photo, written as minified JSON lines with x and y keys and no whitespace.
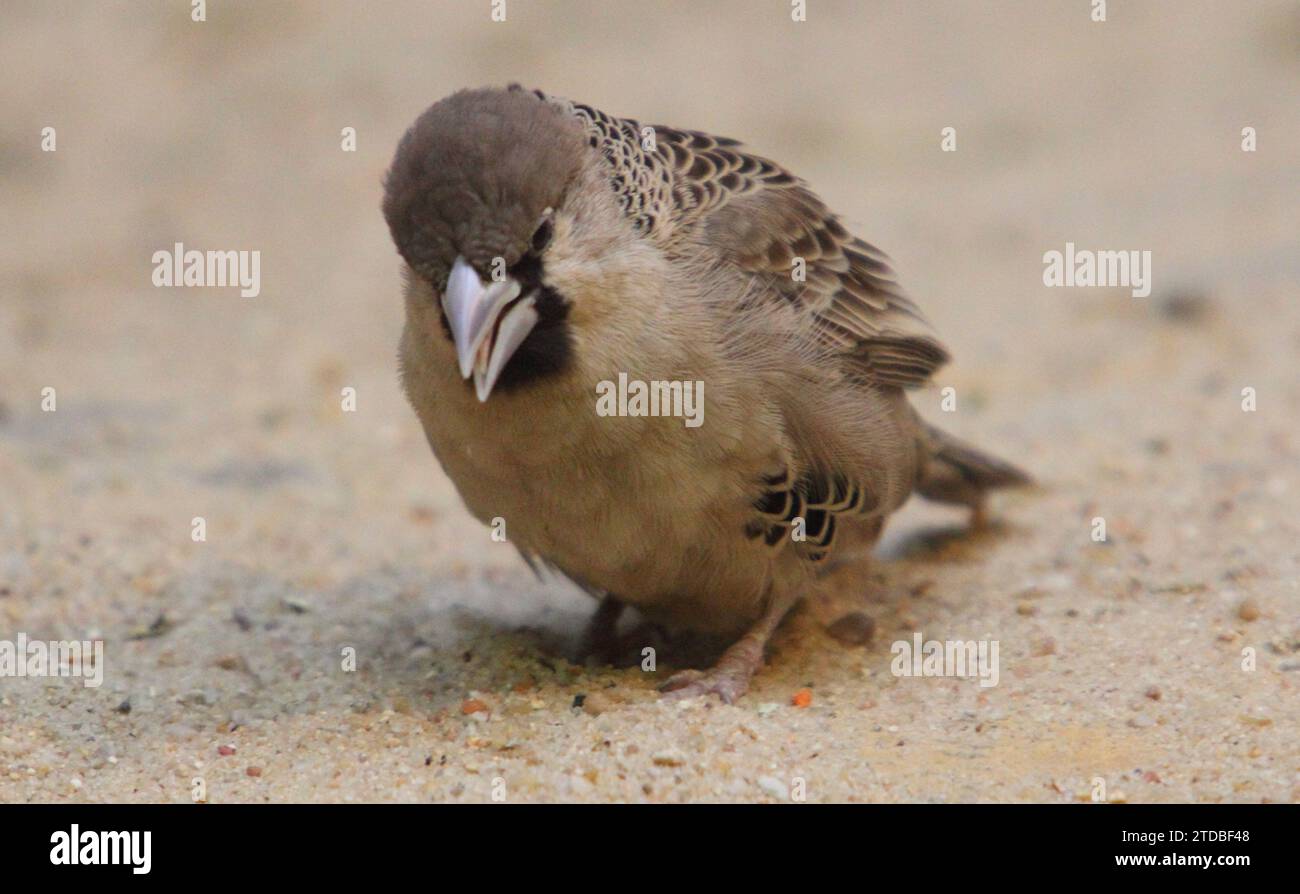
{"x":727,"y":684}
{"x":729,"y":678}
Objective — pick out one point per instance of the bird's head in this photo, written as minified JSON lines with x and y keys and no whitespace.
{"x":484,"y":202}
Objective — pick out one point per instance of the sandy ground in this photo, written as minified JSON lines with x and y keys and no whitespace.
{"x":1121,"y":661}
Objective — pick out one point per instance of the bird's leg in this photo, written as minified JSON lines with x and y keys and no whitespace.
{"x":600,"y":643}
{"x":729,"y":678}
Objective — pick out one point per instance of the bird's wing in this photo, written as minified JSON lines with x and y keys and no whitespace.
{"x":677,"y":184}
{"x":771,"y":225}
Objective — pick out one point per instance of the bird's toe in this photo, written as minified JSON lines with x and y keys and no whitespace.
{"x":727,"y":684}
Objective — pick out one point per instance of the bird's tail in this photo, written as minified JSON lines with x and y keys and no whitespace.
{"x":955,"y":472}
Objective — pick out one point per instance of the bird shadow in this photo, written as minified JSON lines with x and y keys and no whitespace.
{"x":946,"y":542}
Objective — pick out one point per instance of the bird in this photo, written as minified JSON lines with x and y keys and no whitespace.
{"x":548,"y":247}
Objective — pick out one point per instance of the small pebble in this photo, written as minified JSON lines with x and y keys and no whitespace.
{"x":802,"y":698}
{"x":254,"y":771}
{"x":1248,"y":610}
{"x":1184,"y":305}
{"x":232,"y":663}
{"x":853,"y":629}
{"x":596,"y":704}
{"x":767,"y":709}
{"x":774,"y":788}
{"x":225,"y":750}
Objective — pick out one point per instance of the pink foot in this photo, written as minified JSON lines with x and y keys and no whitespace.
{"x":727,"y":684}
{"x":729,"y":678}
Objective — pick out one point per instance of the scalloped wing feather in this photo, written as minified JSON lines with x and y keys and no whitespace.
{"x":685,"y":187}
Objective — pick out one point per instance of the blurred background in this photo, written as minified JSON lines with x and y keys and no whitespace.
{"x":325,"y":527}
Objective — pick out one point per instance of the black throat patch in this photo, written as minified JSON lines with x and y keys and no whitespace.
{"x":548,"y":349}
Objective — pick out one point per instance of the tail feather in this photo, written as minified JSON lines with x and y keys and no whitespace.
{"x":955,"y":472}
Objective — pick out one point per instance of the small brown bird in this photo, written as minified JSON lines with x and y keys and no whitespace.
{"x":553,"y":250}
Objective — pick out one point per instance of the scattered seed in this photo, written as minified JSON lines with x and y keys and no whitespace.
{"x":474,"y":706}
{"x":1181,"y":588}
{"x":159,"y":627}
{"x":670,"y":758}
{"x":1044,"y":647}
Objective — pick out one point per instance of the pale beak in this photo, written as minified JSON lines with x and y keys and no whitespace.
{"x":488,"y":323}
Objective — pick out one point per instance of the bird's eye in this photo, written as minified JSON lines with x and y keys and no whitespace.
{"x":542,"y":236}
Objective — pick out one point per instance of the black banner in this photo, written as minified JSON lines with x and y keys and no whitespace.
{"x":334,"y":843}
